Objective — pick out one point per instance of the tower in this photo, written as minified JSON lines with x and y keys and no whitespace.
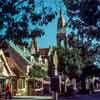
{"x":61,"y":38}
{"x":61,"y":31}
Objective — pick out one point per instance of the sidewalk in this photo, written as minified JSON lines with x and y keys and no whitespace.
{"x":97,"y":90}
{"x":33,"y":97}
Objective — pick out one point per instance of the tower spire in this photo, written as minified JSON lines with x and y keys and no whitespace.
{"x":61,"y":21}
{"x":61,"y":30}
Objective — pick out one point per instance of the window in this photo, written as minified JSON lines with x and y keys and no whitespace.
{"x":21,"y":83}
{"x":2,"y":83}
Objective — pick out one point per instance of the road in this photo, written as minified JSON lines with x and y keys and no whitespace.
{"x":82,"y":97}
{"x":76,"y":97}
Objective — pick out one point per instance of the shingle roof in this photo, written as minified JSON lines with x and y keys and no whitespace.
{"x":8,"y":72}
{"x":14,"y":67}
{"x":18,"y":60}
{"x":16,"y":57}
{"x":19,"y":51}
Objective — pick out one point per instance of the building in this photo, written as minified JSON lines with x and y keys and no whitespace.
{"x":55,"y":60}
{"x":18,"y":60}
{"x":6,"y":74}
{"x":16,"y":70}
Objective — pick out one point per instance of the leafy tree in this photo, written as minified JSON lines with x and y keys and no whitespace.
{"x":87,"y":14}
{"x":75,"y":57}
{"x":37,"y":32}
{"x":38,"y":72}
{"x":16,"y":16}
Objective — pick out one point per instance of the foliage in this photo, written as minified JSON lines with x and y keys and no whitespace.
{"x":87,"y":14}
{"x":37,"y":32}
{"x":37,"y":71}
{"x":69,"y":57}
{"x":90,"y":70}
{"x":17,"y":18}
{"x":76,"y":56}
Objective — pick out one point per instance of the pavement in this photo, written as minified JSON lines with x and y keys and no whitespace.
{"x":32,"y":98}
{"x":76,"y":97}
{"x":95,"y":96}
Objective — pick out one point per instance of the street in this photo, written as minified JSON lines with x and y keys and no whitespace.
{"x":82,"y":97}
{"x":76,"y":97}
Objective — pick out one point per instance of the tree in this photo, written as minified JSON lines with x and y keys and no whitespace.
{"x":37,"y":32}
{"x":84,"y":16}
{"x":75,"y":57}
{"x":38,"y":72}
{"x":16,"y":16}
{"x":86,"y":10}
{"x":89,"y":70}
{"x":15,"y":28}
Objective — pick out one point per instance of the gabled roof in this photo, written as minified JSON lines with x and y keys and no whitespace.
{"x":6,"y":69}
{"x":17,"y":59}
{"x":14,"y":67}
{"x":19,"y":51}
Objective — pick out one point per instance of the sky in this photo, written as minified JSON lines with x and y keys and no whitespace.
{"x":49,"y":39}
{"x":50,"y":35}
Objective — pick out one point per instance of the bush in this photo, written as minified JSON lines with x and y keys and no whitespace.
{"x":38,"y":72}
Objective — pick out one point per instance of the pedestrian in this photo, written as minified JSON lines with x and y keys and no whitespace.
{"x":87,"y":84}
{"x":8,"y":92}
{"x":91,"y":88}
{"x":74,"y":84}
{"x":67,"y":84}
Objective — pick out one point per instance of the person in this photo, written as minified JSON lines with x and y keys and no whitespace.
{"x":74,"y":84}
{"x":91,"y":88}
{"x":67,"y":84}
{"x":8,"y":92}
{"x":87,"y":83}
